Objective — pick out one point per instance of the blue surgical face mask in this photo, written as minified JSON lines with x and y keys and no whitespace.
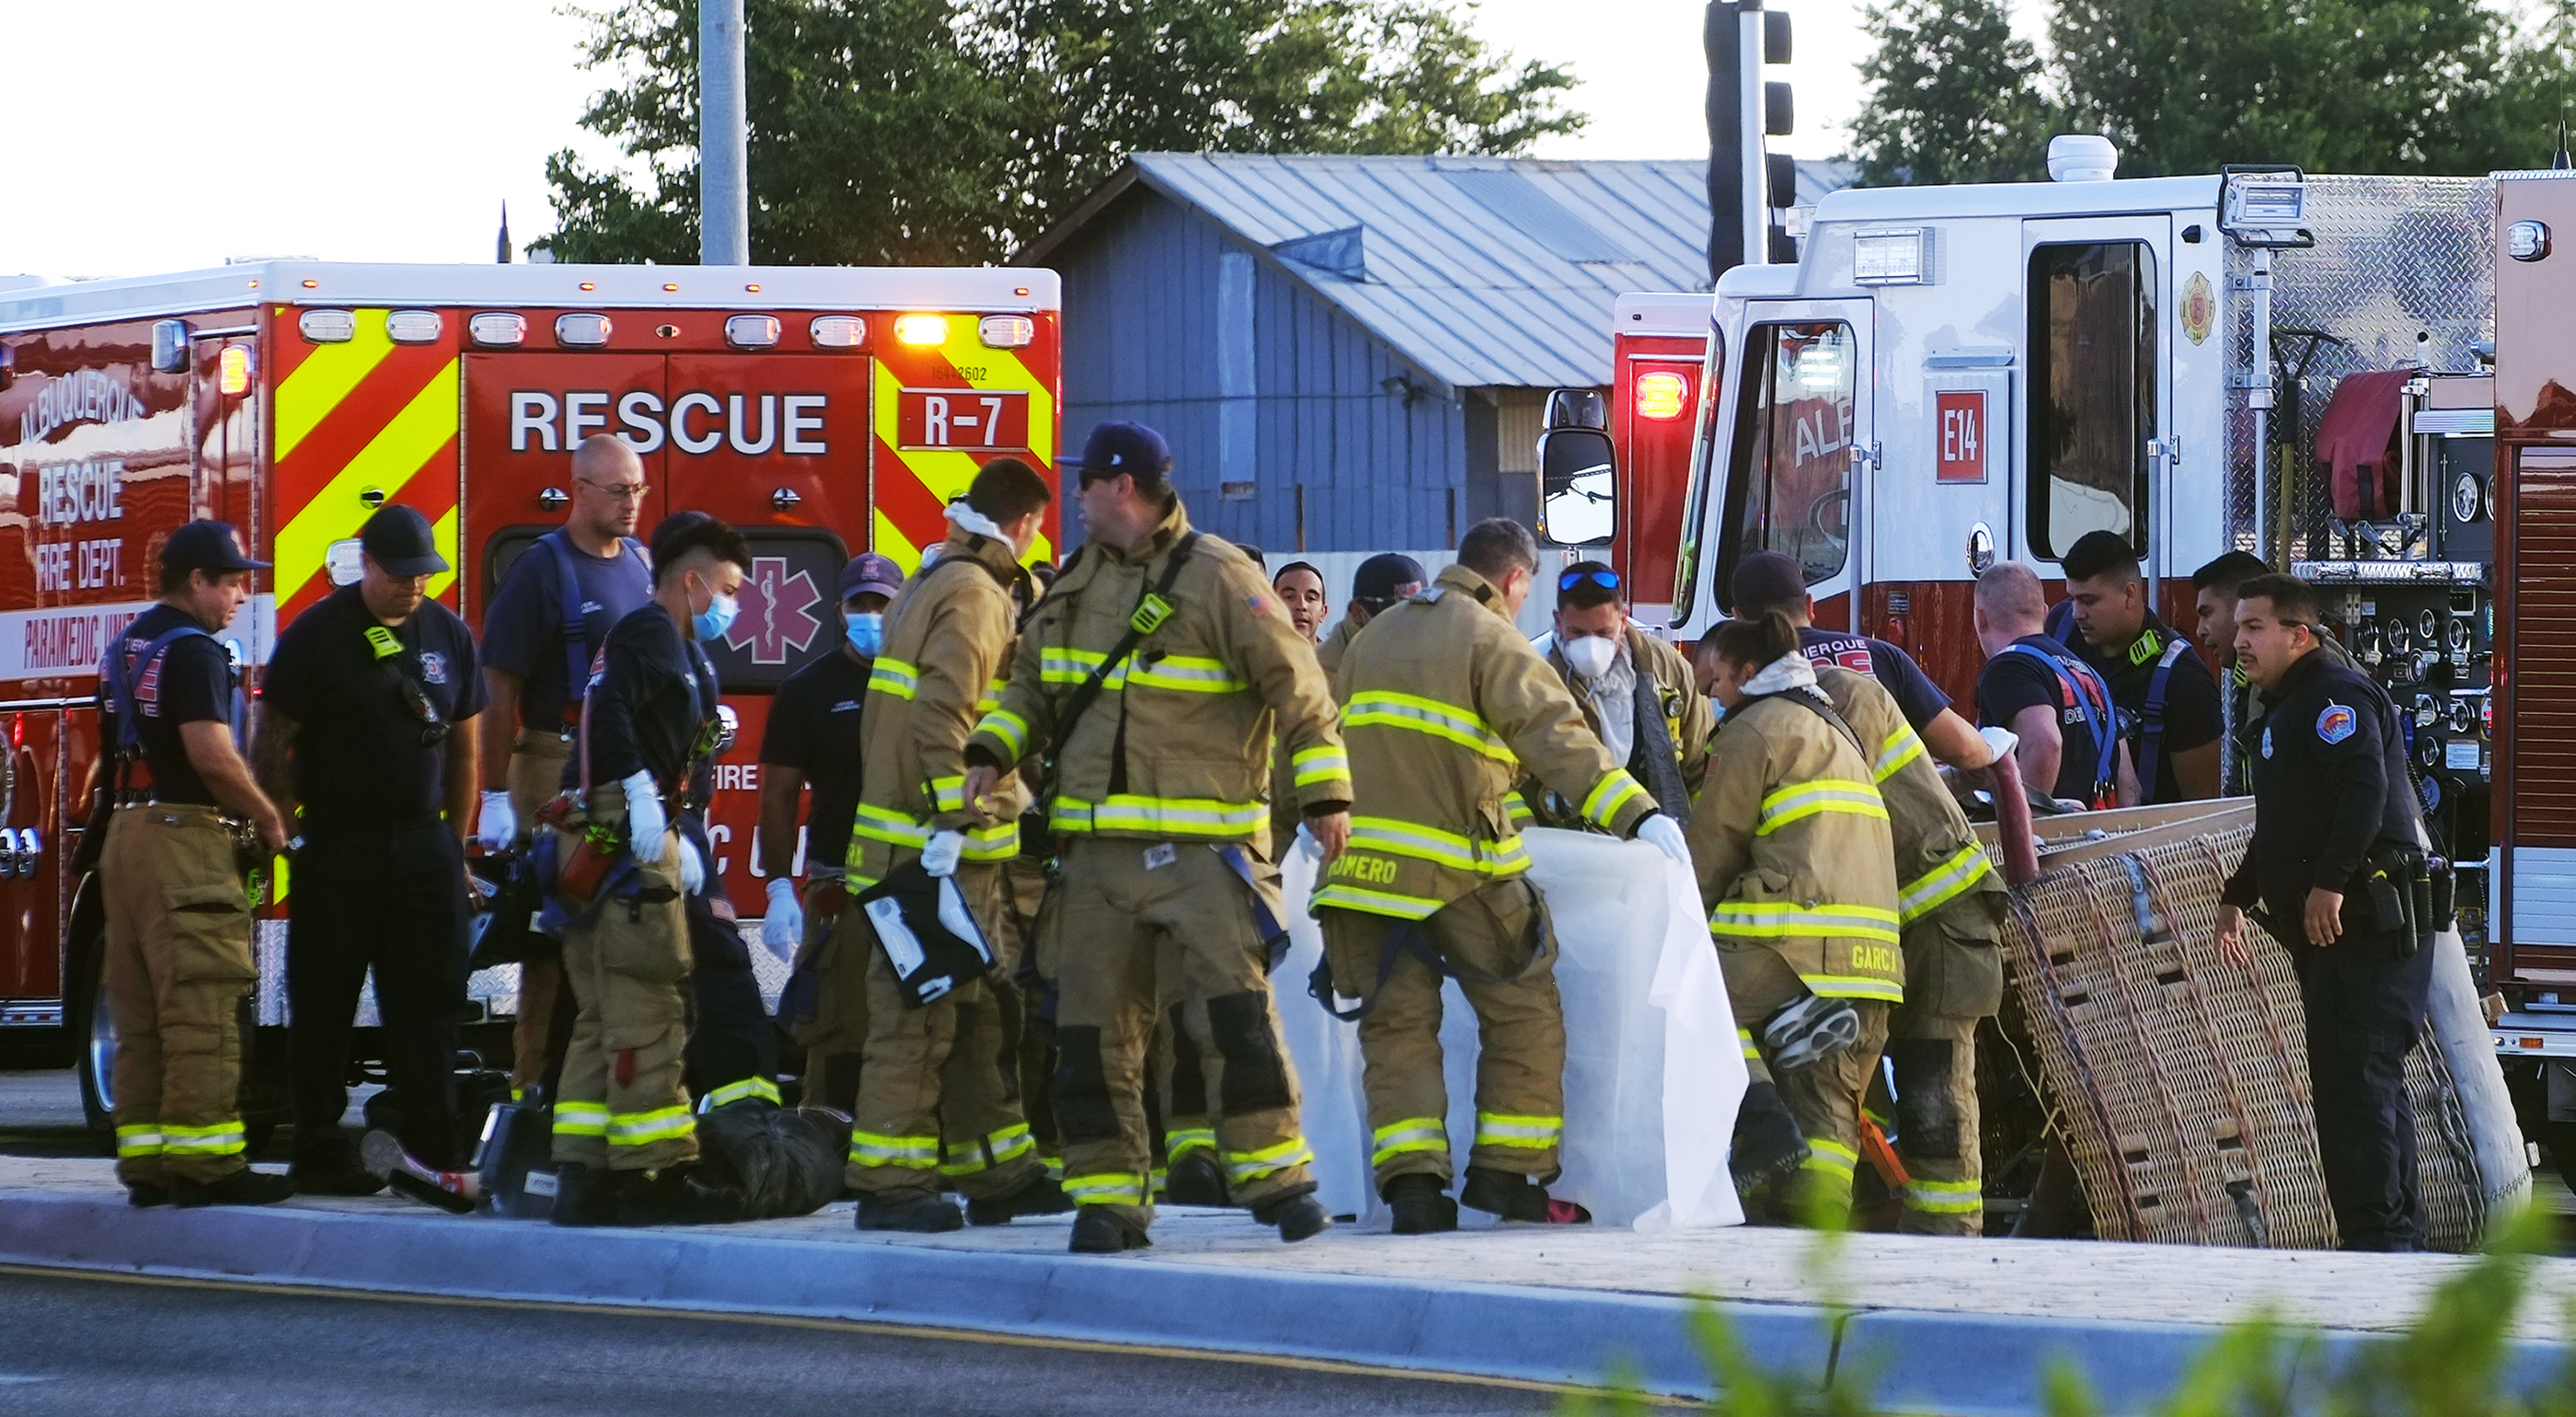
{"x":867,"y":631}
{"x":711,"y":623}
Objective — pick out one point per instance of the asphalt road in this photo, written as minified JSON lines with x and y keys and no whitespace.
{"x":74,"y":1345}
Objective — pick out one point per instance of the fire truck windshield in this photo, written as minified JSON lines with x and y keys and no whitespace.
{"x":1789,"y":487}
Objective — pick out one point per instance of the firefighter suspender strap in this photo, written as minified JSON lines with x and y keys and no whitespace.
{"x":2085,"y":691}
{"x":2151,"y":726}
{"x":127,"y":667}
{"x":1151,"y":611}
{"x":576,"y":624}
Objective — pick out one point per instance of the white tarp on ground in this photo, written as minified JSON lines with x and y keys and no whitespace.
{"x":1652,"y":1071}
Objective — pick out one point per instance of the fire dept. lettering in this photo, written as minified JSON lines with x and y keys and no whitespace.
{"x":85,"y":491}
{"x":696,"y":423}
{"x":81,"y":396}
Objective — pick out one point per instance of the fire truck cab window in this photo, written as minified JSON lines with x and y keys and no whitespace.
{"x":2093,"y":391}
{"x":1790,"y":487}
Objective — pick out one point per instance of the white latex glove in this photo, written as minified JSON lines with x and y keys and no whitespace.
{"x":1665,"y":835}
{"x":693,"y":872}
{"x":939,"y":858}
{"x":1306,"y":843}
{"x":783,"y":928}
{"x":646,"y":827}
{"x":2001,"y":740}
{"x":497,"y":825}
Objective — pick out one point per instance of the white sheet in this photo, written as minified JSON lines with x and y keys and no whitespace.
{"x":1652,"y":1074}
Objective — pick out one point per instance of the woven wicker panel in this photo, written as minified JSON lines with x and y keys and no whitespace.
{"x":2181,"y":1080}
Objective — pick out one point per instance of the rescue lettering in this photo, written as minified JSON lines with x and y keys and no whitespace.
{"x":696,"y":423}
{"x":81,"y":396}
{"x":86,"y":491}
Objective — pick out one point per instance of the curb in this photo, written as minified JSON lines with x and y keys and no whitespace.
{"x":1968,"y":1365}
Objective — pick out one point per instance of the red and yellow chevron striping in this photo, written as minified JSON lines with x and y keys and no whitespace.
{"x":914,"y":485}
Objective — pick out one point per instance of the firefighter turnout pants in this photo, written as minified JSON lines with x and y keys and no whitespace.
{"x":177,"y":969}
{"x":1953,"y":979}
{"x":536,"y":777}
{"x":1497,"y":943}
{"x":1825,"y":1096}
{"x":939,"y":1096}
{"x":835,"y":955}
{"x":623,"y":1105}
{"x":390,"y":898}
{"x":1137,"y":926}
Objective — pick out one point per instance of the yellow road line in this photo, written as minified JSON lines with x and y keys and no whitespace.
{"x":861,"y":1326}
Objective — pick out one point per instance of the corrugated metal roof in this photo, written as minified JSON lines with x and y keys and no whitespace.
{"x":1480,"y":271}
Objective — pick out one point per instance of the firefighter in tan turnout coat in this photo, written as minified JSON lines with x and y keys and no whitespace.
{"x":1445,"y":703}
{"x":935,"y":1100}
{"x":1798,"y":870}
{"x":1153,"y":673}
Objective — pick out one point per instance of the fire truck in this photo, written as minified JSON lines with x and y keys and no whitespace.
{"x":1952,"y":375}
{"x":821,"y":411}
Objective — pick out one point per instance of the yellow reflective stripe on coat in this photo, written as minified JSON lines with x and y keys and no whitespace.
{"x":1412,"y":1134}
{"x":1528,"y":1133}
{"x":1158,"y":816}
{"x":1379,"y":708}
{"x":759,"y":1087}
{"x":1320,"y":764}
{"x":1756,"y":920}
{"x":948,"y":794}
{"x":1012,"y":729}
{"x":992,"y":696}
{"x":1943,"y":883}
{"x":908,"y":1153}
{"x":1074,"y":666}
{"x":1443,"y":848}
{"x":1945,"y":1197}
{"x":1609,"y":795}
{"x":1369,"y":902}
{"x":646,"y":1128}
{"x":1855,"y":986}
{"x":1902,"y":747}
{"x":1241,"y":1166}
{"x":1831,"y":1157}
{"x":1518,"y":810}
{"x":581,"y":1119}
{"x":997,"y":842}
{"x":1185,"y":673}
{"x":220,"y":1139}
{"x":1182,"y":1141}
{"x":1106,"y":1188}
{"x":1752,"y":1051}
{"x":894,"y":677}
{"x":143,"y":1139}
{"x":1806,"y":799}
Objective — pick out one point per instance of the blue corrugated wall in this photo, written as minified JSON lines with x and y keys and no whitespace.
{"x":1171,"y":322}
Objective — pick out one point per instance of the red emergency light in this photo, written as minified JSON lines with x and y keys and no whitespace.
{"x":1661,"y":396}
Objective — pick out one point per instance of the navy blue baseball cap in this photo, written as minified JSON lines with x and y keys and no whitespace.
{"x":870,"y":573}
{"x":209,"y":546}
{"x":1119,"y":446}
{"x":398,"y":539}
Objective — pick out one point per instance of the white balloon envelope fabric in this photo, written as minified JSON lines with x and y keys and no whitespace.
{"x":1653,"y":1072}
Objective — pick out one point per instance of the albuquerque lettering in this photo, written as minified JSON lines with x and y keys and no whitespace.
{"x":81,"y":396}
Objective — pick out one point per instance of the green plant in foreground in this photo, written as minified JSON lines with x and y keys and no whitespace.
{"x":2451,"y":1362}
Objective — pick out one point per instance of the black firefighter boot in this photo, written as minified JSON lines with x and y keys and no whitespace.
{"x":1296,"y":1212}
{"x":1517,"y":1197}
{"x":584,"y":1195}
{"x":915,"y":1212}
{"x":1420,"y":1203}
{"x":1195,"y":1180}
{"x":1768,"y":1147}
{"x":1041,"y":1196}
{"x":1099,"y":1230}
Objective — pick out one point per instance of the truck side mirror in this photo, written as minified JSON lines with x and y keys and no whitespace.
{"x":1578,"y":502}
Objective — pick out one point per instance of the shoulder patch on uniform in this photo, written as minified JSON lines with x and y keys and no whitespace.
{"x":1260,"y":604}
{"x":2336,"y":723}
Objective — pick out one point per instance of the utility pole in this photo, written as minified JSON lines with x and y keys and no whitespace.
{"x":724,"y":191}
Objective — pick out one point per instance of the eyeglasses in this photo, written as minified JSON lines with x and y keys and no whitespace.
{"x":624,"y":491}
{"x":1607,"y":580}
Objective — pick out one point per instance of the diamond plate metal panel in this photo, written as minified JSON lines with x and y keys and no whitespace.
{"x":2402,"y":274}
{"x":496,"y":989}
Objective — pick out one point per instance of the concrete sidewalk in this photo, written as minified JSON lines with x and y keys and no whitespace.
{"x":1952,"y":1326}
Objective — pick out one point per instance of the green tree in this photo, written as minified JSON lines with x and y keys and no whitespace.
{"x":945,"y":131}
{"x":1954,"y":97}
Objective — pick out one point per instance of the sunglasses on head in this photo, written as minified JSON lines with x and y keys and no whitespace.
{"x":1607,"y":580}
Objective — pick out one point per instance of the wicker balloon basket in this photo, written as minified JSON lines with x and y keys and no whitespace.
{"x":2178,"y":1080}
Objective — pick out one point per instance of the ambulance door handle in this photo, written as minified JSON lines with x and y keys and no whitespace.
{"x":785,"y":499}
{"x":2166,"y":451}
{"x":553,"y":499}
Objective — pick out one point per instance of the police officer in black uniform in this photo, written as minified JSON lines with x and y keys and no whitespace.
{"x":2338,"y":866}
{"x":367,"y":720}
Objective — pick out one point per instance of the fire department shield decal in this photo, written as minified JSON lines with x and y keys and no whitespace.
{"x":2199,"y":308}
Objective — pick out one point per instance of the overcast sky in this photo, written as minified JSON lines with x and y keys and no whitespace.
{"x":378,"y":132}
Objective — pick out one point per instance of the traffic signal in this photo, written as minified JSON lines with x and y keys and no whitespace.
{"x":1749,"y":188}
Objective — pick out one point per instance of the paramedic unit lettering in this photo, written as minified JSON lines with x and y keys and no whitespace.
{"x":293,"y":398}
